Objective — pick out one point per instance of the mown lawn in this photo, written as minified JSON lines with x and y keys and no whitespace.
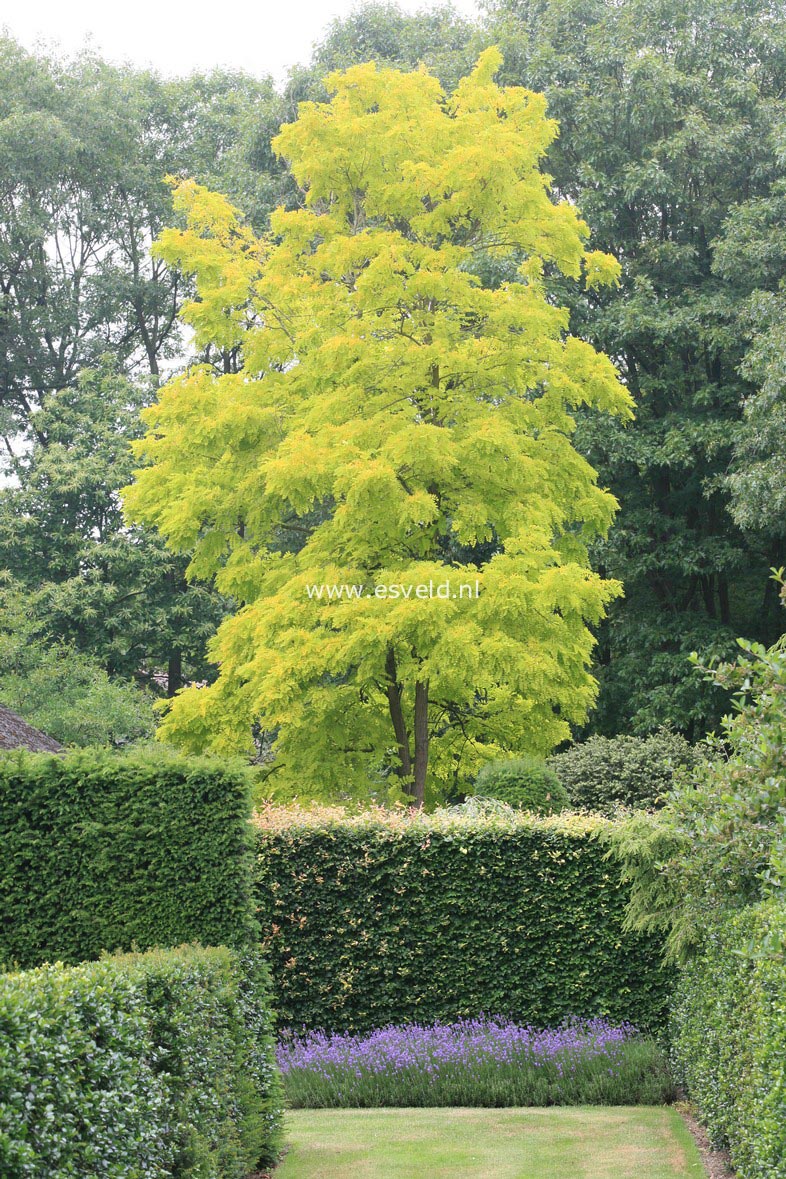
{"x":557,"y":1143}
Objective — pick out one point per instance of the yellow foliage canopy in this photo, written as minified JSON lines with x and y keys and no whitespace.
{"x":388,"y":418}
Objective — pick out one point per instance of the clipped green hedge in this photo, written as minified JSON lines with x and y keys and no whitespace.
{"x":729,"y":1038}
{"x":380,"y":919}
{"x":110,"y":852}
{"x":157,"y":1064}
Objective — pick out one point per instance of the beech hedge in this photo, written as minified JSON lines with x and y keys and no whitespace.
{"x":159,"y":1064}
{"x":378,"y":919}
{"x":728,"y":1032}
{"x":103,"y":851}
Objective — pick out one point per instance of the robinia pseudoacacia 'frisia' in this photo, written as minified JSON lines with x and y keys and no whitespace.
{"x":387,"y":419}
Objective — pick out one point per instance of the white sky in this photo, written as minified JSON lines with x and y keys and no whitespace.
{"x":178,"y":36}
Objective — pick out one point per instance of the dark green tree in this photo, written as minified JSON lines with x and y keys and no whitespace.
{"x":669,"y":114}
{"x":99,"y":587}
{"x":61,"y":691}
{"x":753,"y":251}
{"x":88,"y":322}
{"x":438,"y":38}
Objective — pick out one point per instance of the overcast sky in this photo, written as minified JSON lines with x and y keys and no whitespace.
{"x":178,"y":36}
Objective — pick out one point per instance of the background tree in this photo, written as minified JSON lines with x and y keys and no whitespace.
{"x":88,"y":322}
{"x":752,"y":254}
{"x":58,"y":689}
{"x":669,"y":115}
{"x":85,"y":149}
{"x":439,"y":38}
{"x":112,"y":592}
{"x":379,"y":382}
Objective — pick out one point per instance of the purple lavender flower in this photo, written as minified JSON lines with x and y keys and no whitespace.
{"x":486,"y":1061}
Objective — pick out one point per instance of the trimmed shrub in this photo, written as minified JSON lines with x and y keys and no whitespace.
{"x":104,"y":851}
{"x":729,"y":1038}
{"x":604,"y":772}
{"x":384,"y":918}
{"x":142,"y":1065}
{"x":525,"y":783}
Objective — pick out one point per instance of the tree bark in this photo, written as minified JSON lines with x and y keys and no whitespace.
{"x":708,"y":592}
{"x":397,"y":717}
{"x":174,"y":678}
{"x":723,"y":599}
{"x":421,"y":741}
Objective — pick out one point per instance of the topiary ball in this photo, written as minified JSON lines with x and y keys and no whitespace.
{"x":525,"y":783}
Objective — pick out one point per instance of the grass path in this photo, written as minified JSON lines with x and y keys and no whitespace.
{"x":637,"y":1142}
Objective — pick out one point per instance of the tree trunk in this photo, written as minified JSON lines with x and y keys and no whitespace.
{"x":421,"y":741}
{"x":174,"y":678}
{"x":397,"y":717}
{"x":723,"y":599}
{"x":708,"y":592}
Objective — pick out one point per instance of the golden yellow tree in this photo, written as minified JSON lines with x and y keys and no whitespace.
{"x":388,"y":420}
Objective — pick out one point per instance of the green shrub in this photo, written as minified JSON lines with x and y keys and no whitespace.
{"x":729,"y":1037}
{"x":525,"y":783}
{"x":143,"y":1065}
{"x":719,"y":842}
{"x":380,"y":919}
{"x":105,"y":851}
{"x":603,"y":772}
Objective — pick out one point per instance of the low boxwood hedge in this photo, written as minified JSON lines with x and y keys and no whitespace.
{"x":105,"y":851}
{"x":379,"y":919}
{"x":158,"y":1064}
{"x":729,"y":1037}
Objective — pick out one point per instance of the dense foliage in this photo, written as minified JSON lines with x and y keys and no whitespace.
{"x":671,"y":117}
{"x":603,"y":772}
{"x":475,"y":1062}
{"x":388,"y":418}
{"x":379,"y":919}
{"x":752,"y":253}
{"x":64,"y":692}
{"x":143,"y":1065}
{"x":106,"y":852}
{"x":719,"y":843}
{"x":729,"y":1037}
{"x":670,"y":142}
{"x":113,"y":594}
{"x":525,"y":783}
{"x":88,"y":324}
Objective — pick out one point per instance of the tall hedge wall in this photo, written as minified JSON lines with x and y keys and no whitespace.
{"x":107,"y":852}
{"x":729,"y":1038}
{"x":142,"y":1065}
{"x":373,"y":919}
